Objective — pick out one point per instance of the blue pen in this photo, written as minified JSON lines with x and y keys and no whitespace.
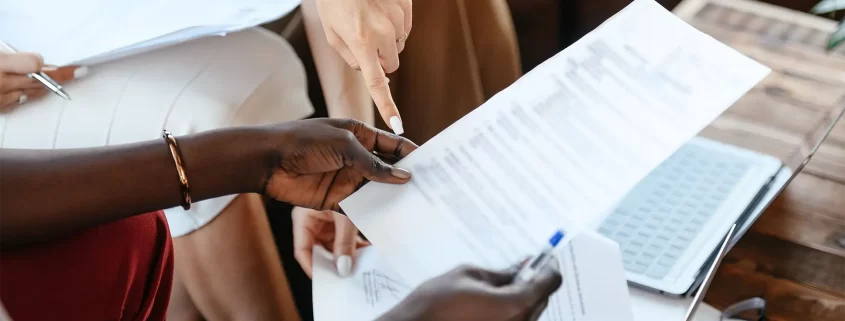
{"x":537,"y":262}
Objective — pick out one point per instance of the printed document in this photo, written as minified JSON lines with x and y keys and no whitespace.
{"x":555,"y":150}
{"x":591,"y":266}
{"x":96,"y":31}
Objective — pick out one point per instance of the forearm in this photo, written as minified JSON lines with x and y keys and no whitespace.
{"x":47,"y":193}
{"x":343,"y":87}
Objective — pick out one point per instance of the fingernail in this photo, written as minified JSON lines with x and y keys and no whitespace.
{"x":400,"y":173}
{"x":344,"y":265}
{"x":49,"y":68}
{"x":80,"y":72}
{"x":396,"y":125}
{"x":386,"y":80}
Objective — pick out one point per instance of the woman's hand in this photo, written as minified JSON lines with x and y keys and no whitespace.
{"x":319,"y":162}
{"x":369,"y":35}
{"x":332,"y":230}
{"x":469,"y":293}
{"x":16,"y":87}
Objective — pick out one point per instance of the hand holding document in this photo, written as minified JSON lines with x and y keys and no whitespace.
{"x":95,"y":31}
{"x":592,"y":279}
{"x":557,"y":149}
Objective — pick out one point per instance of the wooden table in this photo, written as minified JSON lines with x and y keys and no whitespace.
{"x":794,"y":255}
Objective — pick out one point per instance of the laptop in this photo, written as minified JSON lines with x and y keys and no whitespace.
{"x":671,"y":225}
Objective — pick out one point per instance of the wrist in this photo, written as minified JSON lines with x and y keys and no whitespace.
{"x":227,"y":161}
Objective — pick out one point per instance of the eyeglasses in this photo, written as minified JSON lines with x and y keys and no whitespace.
{"x":754,"y":304}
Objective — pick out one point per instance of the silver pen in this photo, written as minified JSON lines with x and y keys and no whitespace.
{"x":41,"y":77}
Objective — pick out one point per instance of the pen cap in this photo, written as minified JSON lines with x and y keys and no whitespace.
{"x":555,"y":239}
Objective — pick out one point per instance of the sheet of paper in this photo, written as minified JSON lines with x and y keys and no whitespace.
{"x":557,"y":149}
{"x":200,"y":85}
{"x":95,"y":31}
{"x":367,"y":293}
{"x":593,"y":280}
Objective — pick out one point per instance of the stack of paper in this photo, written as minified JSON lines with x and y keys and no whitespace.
{"x":95,"y":31}
{"x":557,"y":149}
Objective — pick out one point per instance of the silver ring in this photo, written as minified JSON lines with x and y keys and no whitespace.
{"x":403,"y":38}
{"x":22,"y":98}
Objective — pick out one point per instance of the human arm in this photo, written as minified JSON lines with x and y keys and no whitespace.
{"x":52,"y":192}
{"x":46,"y":193}
{"x":344,"y":89}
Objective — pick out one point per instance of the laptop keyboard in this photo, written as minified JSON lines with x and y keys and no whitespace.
{"x":656,"y":222}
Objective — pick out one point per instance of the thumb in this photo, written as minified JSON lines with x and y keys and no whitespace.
{"x":530,"y":294}
{"x":65,"y":74}
{"x":345,"y":242}
{"x":374,"y":169}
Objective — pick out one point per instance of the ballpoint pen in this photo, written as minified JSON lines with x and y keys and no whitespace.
{"x":40,"y":76}
{"x":536,"y":263}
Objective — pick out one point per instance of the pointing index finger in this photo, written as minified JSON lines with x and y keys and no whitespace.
{"x":377,"y":84}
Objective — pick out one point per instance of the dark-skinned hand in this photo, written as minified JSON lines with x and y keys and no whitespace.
{"x":322,"y":161}
{"x":473,"y":294}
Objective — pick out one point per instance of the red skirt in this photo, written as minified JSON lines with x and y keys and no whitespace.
{"x":117,"y":271}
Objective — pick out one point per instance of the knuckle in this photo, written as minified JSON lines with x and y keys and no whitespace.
{"x":466,"y":269}
{"x":363,"y":36}
{"x":348,"y":138}
{"x":33,"y":61}
{"x":351,"y":124}
{"x":335,"y":42}
{"x":391,"y":65}
{"x":385,"y":30}
{"x":377,"y":83}
{"x":38,"y":61}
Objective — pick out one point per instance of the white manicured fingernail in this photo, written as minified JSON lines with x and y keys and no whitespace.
{"x":344,"y":265}
{"x":80,"y":72}
{"x":396,"y":125}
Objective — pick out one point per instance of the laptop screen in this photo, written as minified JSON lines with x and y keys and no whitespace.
{"x":798,"y":139}
{"x":800,"y":143}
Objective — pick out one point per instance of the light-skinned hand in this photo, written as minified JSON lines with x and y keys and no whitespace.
{"x":16,"y":88}
{"x":334,"y":231}
{"x":369,"y":35}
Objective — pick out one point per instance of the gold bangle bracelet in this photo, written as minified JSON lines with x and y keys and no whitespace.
{"x":180,"y":169}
